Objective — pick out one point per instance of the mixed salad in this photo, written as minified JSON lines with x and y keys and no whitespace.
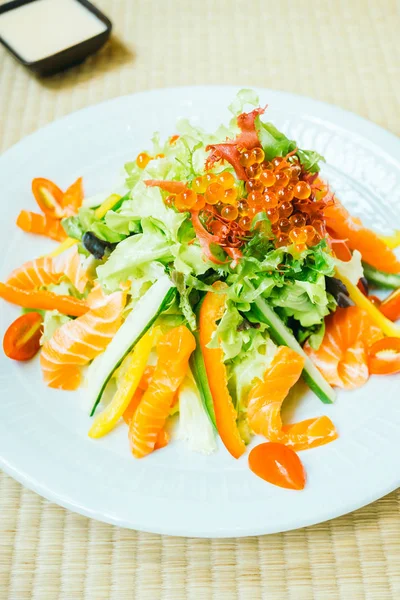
{"x":224,"y":272}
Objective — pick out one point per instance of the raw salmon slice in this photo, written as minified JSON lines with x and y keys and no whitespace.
{"x":40,"y":272}
{"x":173,"y":351}
{"x":70,"y":264}
{"x":45,"y":271}
{"x":265,"y":402}
{"x":342,"y":356}
{"x":373,"y":249}
{"x":77,"y":342}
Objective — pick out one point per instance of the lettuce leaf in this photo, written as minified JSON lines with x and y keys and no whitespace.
{"x":52,"y":321}
{"x":194,"y":424}
{"x":134,"y":255}
{"x":275,"y":143}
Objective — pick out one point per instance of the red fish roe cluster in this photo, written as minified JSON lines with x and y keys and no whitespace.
{"x":280,"y":188}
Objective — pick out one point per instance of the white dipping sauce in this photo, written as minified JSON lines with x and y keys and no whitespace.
{"x":43,"y":27}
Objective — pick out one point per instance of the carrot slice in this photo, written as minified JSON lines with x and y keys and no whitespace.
{"x":211,"y":311}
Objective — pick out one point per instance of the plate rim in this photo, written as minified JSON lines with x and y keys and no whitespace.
{"x":25,"y":479}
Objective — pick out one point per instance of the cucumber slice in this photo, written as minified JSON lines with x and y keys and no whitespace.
{"x":146,"y":311}
{"x":390,"y":281}
{"x":282,"y":335}
{"x":198,"y":369}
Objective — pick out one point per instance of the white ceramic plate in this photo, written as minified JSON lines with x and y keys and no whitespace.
{"x":43,"y":433}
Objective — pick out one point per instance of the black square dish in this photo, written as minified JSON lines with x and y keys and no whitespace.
{"x":71,"y":55}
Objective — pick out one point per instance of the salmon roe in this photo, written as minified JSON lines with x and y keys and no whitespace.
{"x":230,"y":196}
{"x":199,"y":185}
{"x":229,"y":212}
{"x":186,"y":200}
{"x":142,"y":160}
{"x":226,"y":179}
{"x":302,"y":190}
{"x":214,"y":193}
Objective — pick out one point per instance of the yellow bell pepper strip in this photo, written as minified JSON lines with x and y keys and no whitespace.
{"x":107,"y":205}
{"x":211,"y":311}
{"x":68,"y":243}
{"x":387,"y":327}
{"x":101,"y":210}
{"x":43,"y":300}
{"x":392,"y":241}
{"x":134,"y":369}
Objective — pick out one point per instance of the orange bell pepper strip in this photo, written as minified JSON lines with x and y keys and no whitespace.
{"x":43,"y":300}
{"x":211,"y":311}
{"x":49,"y":197}
{"x":32,"y":222}
{"x":72,"y":199}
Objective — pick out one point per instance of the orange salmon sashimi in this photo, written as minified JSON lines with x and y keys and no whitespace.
{"x":78,"y":342}
{"x":373,"y":249}
{"x":265,"y":402}
{"x":69,"y":263}
{"x":40,"y":272}
{"x":173,"y":351}
{"x":45,"y":271}
{"x":342,"y":357}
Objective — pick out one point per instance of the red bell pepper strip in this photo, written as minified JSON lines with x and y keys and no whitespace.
{"x":211,"y":311}
{"x":43,"y":300}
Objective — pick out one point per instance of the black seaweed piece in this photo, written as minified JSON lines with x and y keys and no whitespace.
{"x":95,"y":246}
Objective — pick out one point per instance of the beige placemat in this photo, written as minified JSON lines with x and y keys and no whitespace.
{"x":342,"y":51}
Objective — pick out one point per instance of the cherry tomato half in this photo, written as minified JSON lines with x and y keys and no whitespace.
{"x":22,"y":339}
{"x":49,"y":197}
{"x":390,"y":307}
{"x":384,"y":356}
{"x":278,"y":464}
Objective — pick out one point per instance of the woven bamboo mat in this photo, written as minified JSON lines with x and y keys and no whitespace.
{"x":345,"y":52}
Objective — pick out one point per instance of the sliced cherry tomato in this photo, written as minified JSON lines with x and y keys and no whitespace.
{"x":384,"y":356}
{"x":49,"y":197}
{"x":22,"y":339}
{"x":390,"y":307}
{"x":375,"y":300}
{"x":278,"y":464}
{"x":73,"y":197}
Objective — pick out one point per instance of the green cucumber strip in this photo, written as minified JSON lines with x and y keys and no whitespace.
{"x":146,"y":311}
{"x":389,"y":281}
{"x":198,"y":369}
{"x":283,"y":336}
